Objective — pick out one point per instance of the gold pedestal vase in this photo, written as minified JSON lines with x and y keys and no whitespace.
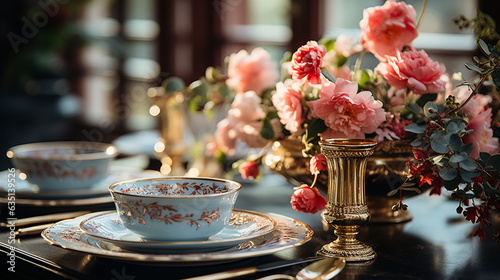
{"x":386,"y":170}
{"x":347,"y":210}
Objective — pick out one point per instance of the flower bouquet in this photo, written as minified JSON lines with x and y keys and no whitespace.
{"x":407,"y":96}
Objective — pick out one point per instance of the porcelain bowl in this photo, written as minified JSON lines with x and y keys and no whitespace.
{"x":63,"y":165}
{"x":175,"y":208}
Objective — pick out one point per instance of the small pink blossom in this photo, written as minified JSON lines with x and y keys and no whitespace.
{"x":308,"y":200}
{"x":318,"y":164}
{"x":242,"y":123}
{"x":345,"y":112}
{"x":346,"y":46}
{"x":392,"y":128}
{"x":246,"y":107}
{"x":255,"y":71}
{"x":413,"y":69}
{"x":249,"y":170}
{"x":249,"y":133}
{"x":482,"y":136}
{"x":307,"y":60}
{"x":287,"y":101}
{"x":225,"y":136}
{"x":387,"y":29}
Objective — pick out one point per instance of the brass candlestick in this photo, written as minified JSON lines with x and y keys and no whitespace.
{"x":346,"y":210}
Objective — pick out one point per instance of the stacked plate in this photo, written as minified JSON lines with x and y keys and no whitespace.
{"x":249,"y":234}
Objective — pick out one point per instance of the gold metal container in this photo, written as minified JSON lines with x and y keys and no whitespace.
{"x":347,"y":210}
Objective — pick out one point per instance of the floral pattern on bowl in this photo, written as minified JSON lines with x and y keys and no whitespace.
{"x":175,"y":209}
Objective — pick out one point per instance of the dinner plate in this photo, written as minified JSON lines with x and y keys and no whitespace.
{"x":289,"y":233}
{"x":243,"y":226}
{"x":27,"y":190}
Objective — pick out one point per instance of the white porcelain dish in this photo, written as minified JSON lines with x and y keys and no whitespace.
{"x":243,"y":226}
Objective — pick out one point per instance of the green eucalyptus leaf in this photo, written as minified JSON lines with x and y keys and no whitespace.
{"x":455,"y":142}
{"x":468,"y":175}
{"x":416,"y":142}
{"x":329,"y":76}
{"x":392,"y":192}
{"x":453,"y":184}
{"x":415,"y":128}
{"x":458,"y":157}
{"x":494,"y":161}
{"x":452,"y":128}
{"x":461,"y":123}
{"x":448,"y":173}
{"x":439,"y":145}
{"x":439,"y":135}
{"x":414,"y":108}
{"x":467,"y":148}
{"x":426,"y":98}
{"x":468,"y":164}
{"x":473,"y":67}
{"x":484,"y":47}
{"x":495,"y":76}
{"x":413,"y":189}
{"x":430,"y":106}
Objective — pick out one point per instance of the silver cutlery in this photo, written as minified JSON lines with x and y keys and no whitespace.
{"x":252,"y":270}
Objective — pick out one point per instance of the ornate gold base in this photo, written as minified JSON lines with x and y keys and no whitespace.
{"x":381,"y":211}
{"x":355,"y":252}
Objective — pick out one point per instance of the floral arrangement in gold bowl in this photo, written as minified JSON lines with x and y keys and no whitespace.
{"x":407,"y":96}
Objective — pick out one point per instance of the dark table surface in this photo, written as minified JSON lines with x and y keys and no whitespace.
{"x":436,"y":244}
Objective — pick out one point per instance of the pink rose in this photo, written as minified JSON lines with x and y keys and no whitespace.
{"x":387,"y":29}
{"x":255,"y":71}
{"x":225,"y":136}
{"x":249,"y":133}
{"x":318,"y":164}
{"x":308,"y":200}
{"x":287,"y":101}
{"x":413,"y":69}
{"x":482,"y":136}
{"x":345,"y":112}
{"x":306,"y":62}
{"x":246,"y":107}
{"x":249,"y":169}
{"x":475,"y":106}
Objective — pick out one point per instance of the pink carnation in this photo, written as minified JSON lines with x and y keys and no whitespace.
{"x":255,"y":71}
{"x":318,"y":164}
{"x":413,"y":69}
{"x":387,"y":29}
{"x":307,"y":60}
{"x":482,"y":136}
{"x":287,"y":101}
{"x":345,"y":112}
{"x":308,"y":200}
